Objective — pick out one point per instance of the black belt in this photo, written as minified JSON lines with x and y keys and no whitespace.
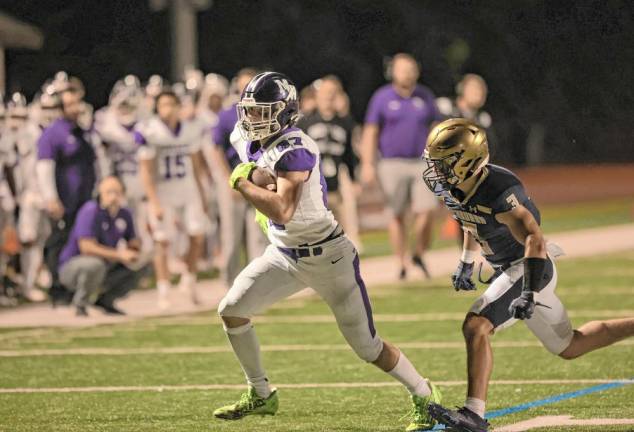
{"x":307,"y":250}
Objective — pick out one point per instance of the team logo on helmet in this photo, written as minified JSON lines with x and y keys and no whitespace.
{"x":287,"y":88}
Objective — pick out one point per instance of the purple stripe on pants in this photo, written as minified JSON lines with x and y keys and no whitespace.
{"x":364,"y":294}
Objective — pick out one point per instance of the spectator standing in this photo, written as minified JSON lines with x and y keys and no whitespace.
{"x":471,"y":95}
{"x":333,"y":134}
{"x":65,"y":171}
{"x":398,"y":119}
{"x":102,"y":243}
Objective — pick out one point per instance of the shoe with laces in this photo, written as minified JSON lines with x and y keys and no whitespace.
{"x":421,"y":420}
{"x":249,"y":404}
{"x":461,"y":420}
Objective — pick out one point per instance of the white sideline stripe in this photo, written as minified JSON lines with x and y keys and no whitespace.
{"x":269,"y":348}
{"x":286,"y":386}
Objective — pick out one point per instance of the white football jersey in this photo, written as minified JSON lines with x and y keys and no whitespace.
{"x":171,"y":151}
{"x":120,"y":150}
{"x":293,"y":150}
{"x":20,"y":151}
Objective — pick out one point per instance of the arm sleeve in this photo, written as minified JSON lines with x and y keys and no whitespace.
{"x":85,"y":222}
{"x":46,"y":145}
{"x":299,"y":159}
{"x":374,"y":113}
{"x":130,"y":232}
{"x":45,"y":175}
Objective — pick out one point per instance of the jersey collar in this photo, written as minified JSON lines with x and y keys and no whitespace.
{"x":485,"y":174}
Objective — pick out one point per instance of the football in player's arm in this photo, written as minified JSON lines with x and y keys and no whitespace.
{"x":497,"y":215}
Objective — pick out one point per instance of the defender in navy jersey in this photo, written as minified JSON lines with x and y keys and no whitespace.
{"x":495,"y":212}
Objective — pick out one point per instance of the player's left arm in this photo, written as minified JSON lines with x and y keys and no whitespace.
{"x":526,"y":230}
{"x":280,"y":205}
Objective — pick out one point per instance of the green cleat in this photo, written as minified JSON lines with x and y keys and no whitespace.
{"x":249,"y":404}
{"x":421,"y":420}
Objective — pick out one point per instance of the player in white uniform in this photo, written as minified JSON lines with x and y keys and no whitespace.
{"x":308,"y":248}
{"x":170,"y":168}
{"x":114,"y":125}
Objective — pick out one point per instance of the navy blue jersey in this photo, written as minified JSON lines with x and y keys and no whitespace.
{"x":498,"y":191}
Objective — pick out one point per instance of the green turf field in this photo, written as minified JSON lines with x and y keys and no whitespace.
{"x":555,"y":218}
{"x":165,"y":369}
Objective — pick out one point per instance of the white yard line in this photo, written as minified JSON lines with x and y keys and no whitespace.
{"x":419,"y":317}
{"x":268,"y":348}
{"x":187,"y":387}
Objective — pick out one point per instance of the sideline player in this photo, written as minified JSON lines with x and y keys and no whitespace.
{"x":114,"y":125}
{"x":308,"y":249}
{"x":495,"y":213}
{"x":170,"y":167}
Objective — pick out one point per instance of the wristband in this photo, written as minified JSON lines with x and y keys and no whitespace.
{"x":468,"y":256}
{"x":533,"y":273}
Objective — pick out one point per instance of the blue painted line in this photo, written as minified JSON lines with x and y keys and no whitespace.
{"x":553,"y":399}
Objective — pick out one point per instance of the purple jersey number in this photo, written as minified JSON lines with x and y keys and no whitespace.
{"x":175,"y":166}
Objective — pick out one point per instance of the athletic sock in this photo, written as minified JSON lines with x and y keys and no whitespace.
{"x":188,"y":278}
{"x":163,"y":287}
{"x":247,"y":349}
{"x":476,"y":405}
{"x":406,"y":374}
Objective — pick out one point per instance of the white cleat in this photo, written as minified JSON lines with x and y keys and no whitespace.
{"x":35,"y":295}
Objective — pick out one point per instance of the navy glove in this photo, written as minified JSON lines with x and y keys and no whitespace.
{"x":461,"y":279}
{"x":523,"y":306}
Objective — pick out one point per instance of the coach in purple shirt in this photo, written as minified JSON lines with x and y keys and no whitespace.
{"x":66,"y":177}
{"x":102,"y":243}
{"x":397,"y":122}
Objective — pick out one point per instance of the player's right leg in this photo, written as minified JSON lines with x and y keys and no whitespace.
{"x":489,"y":314}
{"x":162,"y":232}
{"x":264,"y":281}
{"x":340,"y":284}
{"x":396,"y":188}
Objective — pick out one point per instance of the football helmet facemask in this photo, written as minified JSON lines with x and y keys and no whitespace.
{"x":456,"y":150}
{"x":268,"y":105}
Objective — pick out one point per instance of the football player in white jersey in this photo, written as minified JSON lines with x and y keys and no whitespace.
{"x":170,"y":167}
{"x":308,"y":248}
{"x":33,"y":223}
{"x":114,"y":125}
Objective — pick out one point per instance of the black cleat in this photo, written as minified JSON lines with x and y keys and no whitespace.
{"x":416,"y":259}
{"x":403,"y":274}
{"x":462,"y":420}
{"x":110,"y":309}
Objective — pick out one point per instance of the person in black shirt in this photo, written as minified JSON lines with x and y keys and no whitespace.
{"x":333,"y":134}
{"x":495,"y":212}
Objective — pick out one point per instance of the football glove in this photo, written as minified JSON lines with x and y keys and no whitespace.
{"x":461,"y":279}
{"x":523,"y":307}
{"x":262,"y":220}
{"x":243,"y":170}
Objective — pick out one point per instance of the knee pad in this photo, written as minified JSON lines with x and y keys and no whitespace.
{"x":369,"y":352}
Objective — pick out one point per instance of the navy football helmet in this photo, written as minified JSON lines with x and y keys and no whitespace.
{"x":268,"y":105}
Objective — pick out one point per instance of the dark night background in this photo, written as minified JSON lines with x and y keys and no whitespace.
{"x":566,"y":66}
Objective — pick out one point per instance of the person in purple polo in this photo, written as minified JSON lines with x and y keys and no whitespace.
{"x":102,"y":243}
{"x":65,"y":172}
{"x":397,"y":122}
{"x":236,"y":216}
